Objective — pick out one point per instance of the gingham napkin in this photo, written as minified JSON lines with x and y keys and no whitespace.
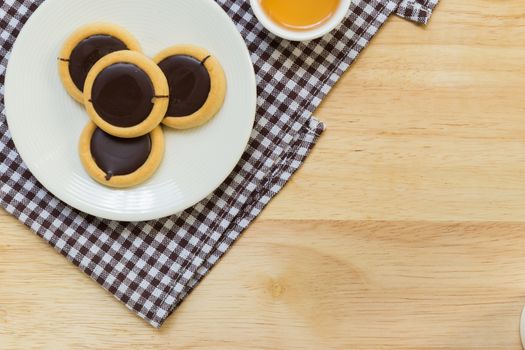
{"x":151,"y":266}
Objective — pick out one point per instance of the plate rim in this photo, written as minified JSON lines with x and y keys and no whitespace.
{"x":144,"y":215}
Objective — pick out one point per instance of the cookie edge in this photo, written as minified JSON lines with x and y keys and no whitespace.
{"x":139,"y":176}
{"x":218,"y":86}
{"x":80,"y":34}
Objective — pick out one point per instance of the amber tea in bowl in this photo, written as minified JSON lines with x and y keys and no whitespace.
{"x":300,"y":14}
{"x":300,"y":20}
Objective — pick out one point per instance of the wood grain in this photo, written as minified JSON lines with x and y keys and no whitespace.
{"x":405,"y":229}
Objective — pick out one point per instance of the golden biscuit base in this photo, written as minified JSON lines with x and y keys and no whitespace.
{"x":160,"y":89}
{"x":217,"y":86}
{"x":84,"y":33}
{"x":121,"y":181}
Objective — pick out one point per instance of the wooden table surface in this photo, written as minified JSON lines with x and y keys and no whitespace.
{"x":405,"y":229}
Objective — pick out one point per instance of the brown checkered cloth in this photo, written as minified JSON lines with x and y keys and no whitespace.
{"x":151,"y":266}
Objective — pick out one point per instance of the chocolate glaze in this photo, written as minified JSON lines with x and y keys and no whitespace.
{"x":88,"y":52}
{"x":189,"y":83}
{"x":117,"y":156}
{"x":122,"y":95}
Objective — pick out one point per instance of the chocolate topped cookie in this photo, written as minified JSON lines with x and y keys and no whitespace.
{"x":197,"y":85}
{"x":126,"y":94}
{"x":85,"y":47}
{"x":120,"y":162}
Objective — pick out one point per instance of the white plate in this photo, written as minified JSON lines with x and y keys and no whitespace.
{"x":45,"y":122}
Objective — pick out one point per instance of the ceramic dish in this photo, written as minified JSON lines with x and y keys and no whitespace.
{"x":46,"y":123}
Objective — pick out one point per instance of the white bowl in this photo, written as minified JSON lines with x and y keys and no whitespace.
{"x":300,"y":35}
